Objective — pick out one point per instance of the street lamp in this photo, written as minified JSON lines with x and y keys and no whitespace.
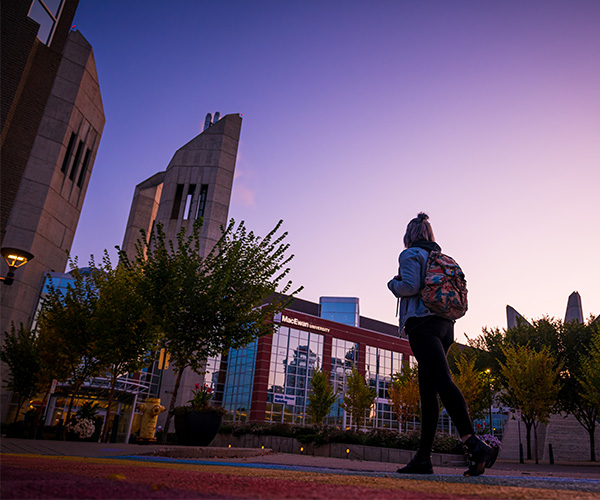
{"x":14,"y":258}
{"x":488,"y":371}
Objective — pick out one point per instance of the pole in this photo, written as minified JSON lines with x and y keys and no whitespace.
{"x":488,"y":371}
{"x":521,"y":460}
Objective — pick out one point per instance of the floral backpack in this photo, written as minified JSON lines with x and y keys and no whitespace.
{"x":444,"y":291}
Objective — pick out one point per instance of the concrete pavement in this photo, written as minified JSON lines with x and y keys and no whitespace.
{"x":270,"y":471}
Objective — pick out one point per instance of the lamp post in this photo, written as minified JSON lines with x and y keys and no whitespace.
{"x":14,"y":258}
{"x":488,"y":371}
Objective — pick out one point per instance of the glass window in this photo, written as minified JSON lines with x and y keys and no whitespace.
{"x":53,"y":6}
{"x":40,"y":15}
{"x":237,"y":391}
{"x":340,"y":309}
{"x":202,"y":201}
{"x":381,"y":365}
{"x":294,"y":356}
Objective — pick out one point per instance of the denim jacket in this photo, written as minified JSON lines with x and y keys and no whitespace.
{"x":412,"y":275}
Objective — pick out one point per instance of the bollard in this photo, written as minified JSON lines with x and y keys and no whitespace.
{"x":551,"y":454}
{"x":521,"y":461}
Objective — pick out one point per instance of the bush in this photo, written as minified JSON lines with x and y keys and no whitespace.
{"x":317,"y":436}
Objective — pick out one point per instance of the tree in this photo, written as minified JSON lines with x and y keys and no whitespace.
{"x":570,"y":341}
{"x":589,"y":380}
{"x":473,"y":384}
{"x":321,"y":397}
{"x":20,"y":351}
{"x":121,"y":324}
{"x":404,"y":397}
{"x":532,"y":386}
{"x":207,"y":306}
{"x":67,"y":339}
{"x":359,"y":397}
{"x":488,"y":349}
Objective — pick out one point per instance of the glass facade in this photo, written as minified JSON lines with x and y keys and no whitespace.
{"x":344,"y":357}
{"x":340,"y":309}
{"x":380,"y":366}
{"x":237,"y":393}
{"x":294,"y":356}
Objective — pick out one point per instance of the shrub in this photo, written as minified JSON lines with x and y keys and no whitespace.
{"x":317,"y":436}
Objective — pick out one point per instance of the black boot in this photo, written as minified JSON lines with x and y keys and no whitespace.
{"x":418,"y":465}
{"x":478,"y":455}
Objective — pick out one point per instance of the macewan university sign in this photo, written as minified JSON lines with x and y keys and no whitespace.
{"x":303,"y":324}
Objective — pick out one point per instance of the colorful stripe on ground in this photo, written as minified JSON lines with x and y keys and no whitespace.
{"x":36,"y":476}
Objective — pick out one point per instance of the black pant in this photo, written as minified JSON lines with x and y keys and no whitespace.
{"x":430,"y":338}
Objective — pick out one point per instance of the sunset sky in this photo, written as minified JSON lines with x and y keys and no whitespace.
{"x":359,"y":114}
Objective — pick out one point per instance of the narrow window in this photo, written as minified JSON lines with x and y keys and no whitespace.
{"x":76,"y":160}
{"x":177,"y":201}
{"x":86,"y":161}
{"x":67,"y":157}
{"x":202,"y":201}
{"x":187,"y":211}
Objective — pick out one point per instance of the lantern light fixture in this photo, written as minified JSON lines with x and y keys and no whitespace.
{"x":14,"y":258}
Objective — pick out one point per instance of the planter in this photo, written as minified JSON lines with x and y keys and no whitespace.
{"x":197,"y":428}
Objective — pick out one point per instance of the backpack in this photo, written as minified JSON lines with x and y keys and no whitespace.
{"x":444,"y":291}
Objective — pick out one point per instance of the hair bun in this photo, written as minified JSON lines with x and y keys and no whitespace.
{"x":422,"y":216}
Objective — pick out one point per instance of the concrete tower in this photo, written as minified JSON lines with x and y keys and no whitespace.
{"x":197,"y":183}
{"x":574,"y":309}
{"x":511,"y":317}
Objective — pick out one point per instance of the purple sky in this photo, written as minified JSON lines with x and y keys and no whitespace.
{"x":358,"y":115}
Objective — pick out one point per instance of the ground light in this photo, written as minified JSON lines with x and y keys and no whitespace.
{"x":14,"y":258}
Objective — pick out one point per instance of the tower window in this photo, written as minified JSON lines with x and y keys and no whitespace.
{"x":202,"y":201}
{"x":86,"y":161}
{"x":76,"y":160}
{"x":187,"y":211}
{"x":68,"y":153}
{"x":177,"y":201}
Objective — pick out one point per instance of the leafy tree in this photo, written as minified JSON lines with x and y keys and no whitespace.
{"x":359,"y":397}
{"x":121,"y":324}
{"x":321,"y":397}
{"x":67,"y":338}
{"x":207,"y":306}
{"x":489,"y":349}
{"x":474,"y":386}
{"x":570,"y":341}
{"x":404,"y":397}
{"x":589,"y":380}
{"x":20,"y":351}
{"x":532,"y":386}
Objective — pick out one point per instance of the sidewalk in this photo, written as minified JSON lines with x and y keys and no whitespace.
{"x":251,"y":455}
{"x":95,"y":470}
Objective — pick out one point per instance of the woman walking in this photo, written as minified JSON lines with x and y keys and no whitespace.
{"x":430,"y":337}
